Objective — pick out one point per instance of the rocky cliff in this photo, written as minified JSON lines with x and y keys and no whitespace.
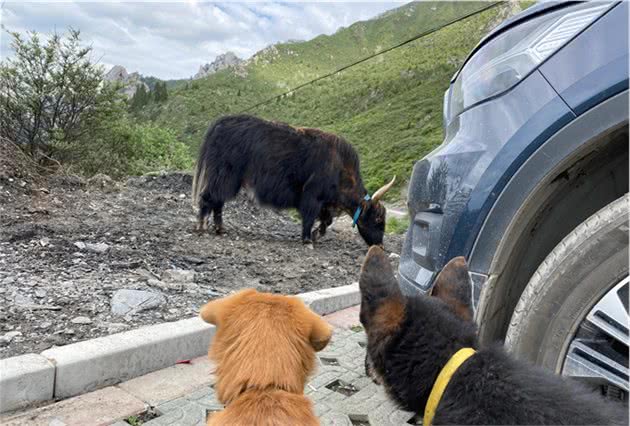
{"x":130,"y":82}
{"x":221,"y":62}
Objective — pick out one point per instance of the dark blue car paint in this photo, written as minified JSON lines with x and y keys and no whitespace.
{"x":453,"y":189}
{"x":544,"y":165}
{"x":548,"y":120}
{"x":592,"y":68}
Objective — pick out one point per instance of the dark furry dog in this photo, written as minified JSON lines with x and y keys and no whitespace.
{"x":308,"y":169}
{"x":410,"y":340}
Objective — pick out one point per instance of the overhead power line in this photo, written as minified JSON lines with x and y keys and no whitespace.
{"x":367,"y":58}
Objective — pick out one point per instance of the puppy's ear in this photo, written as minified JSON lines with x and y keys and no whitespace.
{"x":377,"y":280}
{"x":321,"y":332}
{"x":454,"y":287}
{"x":214,"y":311}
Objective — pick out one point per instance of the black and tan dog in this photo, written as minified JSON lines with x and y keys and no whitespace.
{"x":424,"y":351}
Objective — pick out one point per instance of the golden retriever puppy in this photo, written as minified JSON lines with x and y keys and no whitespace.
{"x":264,"y":350}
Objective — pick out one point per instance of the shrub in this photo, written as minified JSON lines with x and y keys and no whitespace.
{"x":395,"y":225}
{"x":51,"y":92}
{"x":127,"y":148}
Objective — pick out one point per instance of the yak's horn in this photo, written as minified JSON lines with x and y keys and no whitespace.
{"x":382,"y":190}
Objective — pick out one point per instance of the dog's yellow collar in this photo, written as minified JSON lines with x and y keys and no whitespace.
{"x":442,"y":381}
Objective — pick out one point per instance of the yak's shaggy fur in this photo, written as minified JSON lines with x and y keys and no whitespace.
{"x":411,"y":339}
{"x":264,"y":350}
{"x":315,"y":172}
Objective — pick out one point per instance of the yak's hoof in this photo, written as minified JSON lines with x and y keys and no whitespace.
{"x":308,"y":244}
{"x":219,"y":230}
{"x":318,"y":234}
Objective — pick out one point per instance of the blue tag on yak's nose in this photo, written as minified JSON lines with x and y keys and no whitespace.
{"x":357,"y":213}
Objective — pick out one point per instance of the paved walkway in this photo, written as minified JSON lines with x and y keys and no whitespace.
{"x":182,"y":395}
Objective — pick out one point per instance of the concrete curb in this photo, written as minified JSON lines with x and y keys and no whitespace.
{"x":92,"y":364}
{"x":85,"y":366}
{"x":25,"y":379}
{"x":331,"y":300}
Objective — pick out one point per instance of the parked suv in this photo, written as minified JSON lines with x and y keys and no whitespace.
{"x":530,"y":185}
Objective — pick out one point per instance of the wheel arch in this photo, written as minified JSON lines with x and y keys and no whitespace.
{"x":577,"y":171}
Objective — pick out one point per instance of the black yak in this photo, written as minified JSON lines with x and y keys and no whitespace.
{"x":315,"y":172}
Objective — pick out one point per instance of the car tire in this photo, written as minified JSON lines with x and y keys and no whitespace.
{"x":578,"y":272}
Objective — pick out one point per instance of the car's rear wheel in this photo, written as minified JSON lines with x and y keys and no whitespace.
{"x":573,"y":315}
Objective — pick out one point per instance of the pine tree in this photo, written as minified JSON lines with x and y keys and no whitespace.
{"x":160,"y":94}
{"x":140,"y":98}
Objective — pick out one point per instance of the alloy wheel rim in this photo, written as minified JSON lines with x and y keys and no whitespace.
{"x":598,"y":352}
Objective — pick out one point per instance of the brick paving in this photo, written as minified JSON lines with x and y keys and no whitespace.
{"x":341,"y":392}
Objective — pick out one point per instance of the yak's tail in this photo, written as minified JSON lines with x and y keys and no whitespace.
{"x":200,"y":181}
{"x":204,"y":161}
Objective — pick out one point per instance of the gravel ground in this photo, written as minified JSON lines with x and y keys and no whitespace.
{"x":82,"y":259}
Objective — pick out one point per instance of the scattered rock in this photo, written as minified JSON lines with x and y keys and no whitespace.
{"x":97,"y":248}
{"x":12,"y":334}
{"x":164,"y":285}
{"x":101,"y":181}
{"x":80,"y":245}
{"x":55,"y":339}
{"x":116,"y":327}
{"x":46,"y":307}
{"x":213,"y":293}
{"x":81,"y":320}
{"x":22,"y":300}
{"x":66,"y":181}
{"x":45,"y":325}
{"x":8,"y":337}
{"x":193,"y":260}
{"x":126,"y":302}
{"x":178,"y":275}
{"x":8,"y":280}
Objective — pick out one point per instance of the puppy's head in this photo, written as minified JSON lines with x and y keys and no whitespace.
{"x":413,"y":336}
{"x":263,"y":340}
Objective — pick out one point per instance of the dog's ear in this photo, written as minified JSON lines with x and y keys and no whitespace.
{"x":214,"y":311}
{"x":377,"y":280}
{"x":321,"y":332}
{"x":453,"y":287}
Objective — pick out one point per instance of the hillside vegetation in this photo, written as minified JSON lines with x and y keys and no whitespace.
{"x":389,"y":108}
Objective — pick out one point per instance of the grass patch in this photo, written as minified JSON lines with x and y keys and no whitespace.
{"x":395,"y":225}
{"x":294,"y":215}
{"x":356,"y":328}
{"x":134,"y":421}
{"x":142,"y":418}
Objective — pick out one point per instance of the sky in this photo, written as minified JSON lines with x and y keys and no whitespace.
{"x":170,"y":40}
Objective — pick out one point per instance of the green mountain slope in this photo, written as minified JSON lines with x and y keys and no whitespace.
{"x":389,"y":108}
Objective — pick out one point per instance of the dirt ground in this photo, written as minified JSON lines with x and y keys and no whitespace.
{"x":68,"y":246}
